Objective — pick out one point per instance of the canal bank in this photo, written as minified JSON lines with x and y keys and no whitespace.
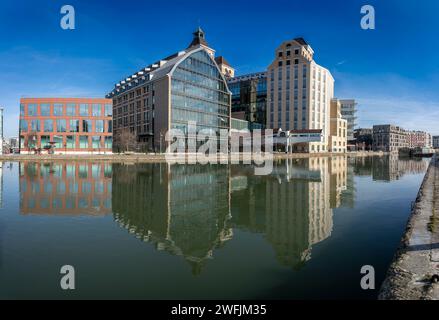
{"x":152,"y":158}
{"x":413,"y":275}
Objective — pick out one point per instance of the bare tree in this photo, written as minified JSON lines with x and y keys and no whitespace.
{"x":126,"y":139}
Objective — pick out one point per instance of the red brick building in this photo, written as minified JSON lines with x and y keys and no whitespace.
{"x":66,"y":125}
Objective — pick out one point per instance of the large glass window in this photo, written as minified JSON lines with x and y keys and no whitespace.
{"x":83,"y":110}
{"x":48,"y":125}
{"x":74,"y":125}
{"x":70,"y":141}
{"x":58,"y":109}
{"x":108,"y":142}
{"x":99,"y":125}
{"x":83,"y":142}
{"x":71,"y":109}
{"x":86,"y":126}
{"x":45,"y":141}
{"x":35,"y":125}
{"x":96,"y":142}
{"x":45,"y":109}
{"x":96,"y":110}
{"x":108,"y":110}
{"x":58,"y":142}
{"x":61,"y":125}
{"x":199,"y":93}
{"x":32,"y":109}
{"x":23,"y":125}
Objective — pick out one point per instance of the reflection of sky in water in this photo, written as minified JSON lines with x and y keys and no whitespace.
{"x":217,"y":231}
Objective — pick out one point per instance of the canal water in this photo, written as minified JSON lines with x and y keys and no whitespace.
{"x":159,"y":231}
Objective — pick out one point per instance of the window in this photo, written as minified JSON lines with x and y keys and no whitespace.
{"x":32,"y":109}
{"x":96,"y":110}
{"x":22,"y":110}
{"x":58,"y":109}
{"x":45,"y":141}
{"x":288,"y":53}
{"x":61,"y":125}
{"x":86,"y":126}
{"x":74,"y":125}
{"x":110,"y":126}
{"x":35,"y":125}
{"x":58,"y":142}
{"x":280,"y":63}
{"x":83,"y":110}
{"x":296,"y":61}
{"x":83,"y":142}
{"x":296,"y":51}
{"x":96,"y":142}
{"x":288,"y":62}
{"x":71,"y":109}
{"x":48,"y":125}
{"x":23,"y":125}
{"x":108,"y":110}
{"x":280,"y":54}
{"x":108,"y":142}
{"x":45,"y":109}
{"x":99,"y":126}
{"x":70,"y":142}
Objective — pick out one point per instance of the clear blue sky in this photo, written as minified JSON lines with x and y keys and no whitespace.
{"x":393,"y":71}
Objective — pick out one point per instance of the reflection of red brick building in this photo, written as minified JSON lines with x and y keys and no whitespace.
{"x":70,"y":188}
{"x":71,"y":125}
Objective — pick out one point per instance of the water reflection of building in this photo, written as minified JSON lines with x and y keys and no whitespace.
{"x":388,"y":168}
{"x":65,"y":188}
{"x":293,"y":206}
{"x":1,"y":184}
{"x":182,"y":209}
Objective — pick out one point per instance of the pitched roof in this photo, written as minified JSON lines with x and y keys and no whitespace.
{"x":301,"y":41}
{"x":198,"y":39}
{"x":222,"y":60}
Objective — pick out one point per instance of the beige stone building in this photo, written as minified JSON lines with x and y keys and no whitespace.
{"x":299,"y":93}
{"x":338,"y":129}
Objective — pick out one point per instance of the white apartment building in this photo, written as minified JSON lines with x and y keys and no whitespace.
{"x":299,"y":93}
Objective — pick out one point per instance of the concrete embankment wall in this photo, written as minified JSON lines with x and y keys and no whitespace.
{"x":413,"y":273}
{"x":142,"y":157}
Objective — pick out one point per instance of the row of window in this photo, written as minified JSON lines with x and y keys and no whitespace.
{"x":60,"y":125}
{"x":69,"y":109}
{"x":69,"y":142}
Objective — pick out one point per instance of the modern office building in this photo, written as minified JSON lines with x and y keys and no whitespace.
{"x":348,"y":112}
{"x":435,"y":142}
{"x":66,"y":125}
{"x":249,"y":98}
{"x":186,"y":86}
{"x":389,"y":138}
{"x":419,"y":139}
{"x":338,"y":129}
{"x":363,"y":138}
{"x":1,"y":130}
{"x":299,"y":93}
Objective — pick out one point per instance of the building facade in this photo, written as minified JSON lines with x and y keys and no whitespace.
{"x":338,"y":129}
{"x":299,"y":93}
{"x":348,"y":112}
{"x":1,"y":130}
{"x":168,"y":94}
{"x":66,"y":125}
{"x":363,"y":138}
{"x":389,"y":138}
{"x":419,"y":139}
{"x":249,"y":98}
{"x":435,"y":142}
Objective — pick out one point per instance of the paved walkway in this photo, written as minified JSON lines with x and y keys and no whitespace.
{"x":414,"y":273}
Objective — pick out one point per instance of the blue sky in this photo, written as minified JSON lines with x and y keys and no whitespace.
{"x":392,"y":71}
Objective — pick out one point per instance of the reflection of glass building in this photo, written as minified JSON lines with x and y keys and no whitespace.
{"x":293,"y":206}
{"x":65,"y":188}
{"x":181,"y":209}
{"x":186,"y":86}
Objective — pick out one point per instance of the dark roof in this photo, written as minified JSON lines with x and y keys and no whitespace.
{"x":301,"y":41}
{"x":222,"y":60}
{"x":198,"y":39}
